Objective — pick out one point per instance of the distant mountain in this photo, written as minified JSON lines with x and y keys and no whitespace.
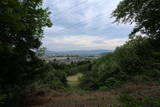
{"x":78,"y":52}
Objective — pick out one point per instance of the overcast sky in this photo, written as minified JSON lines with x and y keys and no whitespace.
{"x":83,"y":25}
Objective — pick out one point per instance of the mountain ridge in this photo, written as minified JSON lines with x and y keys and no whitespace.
{"x":78,"y":52}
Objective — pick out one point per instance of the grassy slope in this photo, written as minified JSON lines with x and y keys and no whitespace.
{"x":75,"y":97}
{"x":73,"y":81}
{"x":61,"y":99}
{"x":109,"y":98}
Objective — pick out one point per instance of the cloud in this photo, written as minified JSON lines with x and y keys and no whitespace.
{"x":54,"y":29}
{"x":84,"y":24}
{"x":82,"y":42}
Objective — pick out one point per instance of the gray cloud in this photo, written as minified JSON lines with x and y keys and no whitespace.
{"x":90,"y":18}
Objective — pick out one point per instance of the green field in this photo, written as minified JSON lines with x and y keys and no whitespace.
{"x":73,"y":81}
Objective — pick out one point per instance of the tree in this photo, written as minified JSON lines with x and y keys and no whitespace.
{"x":21,"y":30}
{"x":144,"y":13}
{"x":135,"y":58}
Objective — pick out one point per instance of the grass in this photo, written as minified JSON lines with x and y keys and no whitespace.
{"x":131,"y":94}
{"x":145,"y":94}
{"x":73,"y":81}
{"x":61,"y":99}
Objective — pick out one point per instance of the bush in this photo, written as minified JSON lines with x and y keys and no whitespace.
{"x":2,"y":99}
{"x":54,"y":79}
{"x":112,"y":82}
{"x":130,"y":101}
{"x":136,"y":58}
{"x":103,"y":88}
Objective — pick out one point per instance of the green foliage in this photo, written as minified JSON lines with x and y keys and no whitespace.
{"x":135,"y":55}
{"x":2,"y":99}
{"x":130,"y":101}
{"x":56,"y":75}
{"x":111,"y":82}
{"x":103,"y":88}
{"x":135,"y":58}
{"x":73,"y":68}
{"x":89,"y":81}
{"x":144,"y":13}
{"x":21,"y":30}
{"x":53,"y":79}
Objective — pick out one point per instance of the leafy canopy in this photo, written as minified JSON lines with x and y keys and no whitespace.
{"x":144,"y":13}
{"x":21,"y":30}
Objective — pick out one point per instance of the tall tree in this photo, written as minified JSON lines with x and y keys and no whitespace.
{"x":144,"y":13}
{"x":21,"y":30}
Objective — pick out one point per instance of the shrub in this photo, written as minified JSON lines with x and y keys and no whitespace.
{"x":2,"y":98}
{"x":130,"y":101}
{"x":112,"y":82}
{"x":137,"y":58}
{"x":103,"y":88}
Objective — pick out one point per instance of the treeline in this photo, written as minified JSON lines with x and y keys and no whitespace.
{"x":137,"y":59}
{"x":72,"y":68}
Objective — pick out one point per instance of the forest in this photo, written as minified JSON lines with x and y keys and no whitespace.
{"x":127,"y":77}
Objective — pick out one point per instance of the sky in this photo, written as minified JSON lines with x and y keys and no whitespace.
{"x":83,"y":25}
